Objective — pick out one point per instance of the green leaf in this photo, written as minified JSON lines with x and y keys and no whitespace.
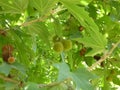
{"x":5,"y":68}
{"x":116,"y":81}
{"x":80,"y":77}
{"x":9,"y":86}
{"x":58,"y":87}
{"x":93,"y":38}
{"x":115,"y":62}
{"x":64,"y":71}
{"x":32,"y":86}
{"x":89,"y":61}
{"x":41,"y":30}
{"x":14,"y":6}
{"x":19,"y":67}
{"x":22,"y":49}
{"x":106,"y":86}
{"x":44,"y":88}
{"x":43,"y":6}
{"x":57,"y":27}
{"x":81,"y":2}
{"x":85,"y":2}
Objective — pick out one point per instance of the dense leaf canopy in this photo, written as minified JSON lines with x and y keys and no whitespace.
{"x":59,"y":44}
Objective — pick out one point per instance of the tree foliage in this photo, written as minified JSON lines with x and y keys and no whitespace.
{"x":59,"y":44}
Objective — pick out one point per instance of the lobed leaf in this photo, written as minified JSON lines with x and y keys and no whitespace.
{"x":5,"y":68}
{"x":43,"y":6}
{"x":41,"y":30}
{"x":14,"y":6}
{"x":93,"y":38}
{"x":80,"y":77}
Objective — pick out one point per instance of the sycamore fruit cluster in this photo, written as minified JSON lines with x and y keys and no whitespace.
{"x":58,"y":47}
{"x":11,"y":60}
{"x":61,"y":44}
{"x":67,"y":44}
{"x":7,"y":54}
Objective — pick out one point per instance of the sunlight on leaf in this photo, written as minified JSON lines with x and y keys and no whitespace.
{"x":31,"y":86}
{"x":43,"y":6}
{"x":41,"y":30}
{"x":80,"y":77}
{"x":64,"y":71}
{"x":16,"y":6}
{"x":95,"y":39}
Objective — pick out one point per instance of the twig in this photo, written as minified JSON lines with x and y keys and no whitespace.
{"x":33,"y":21}
{"x":40,"y":85}
{"x":40,"y":19}
{"x":104,"y":57}
{"x":9,"y":79}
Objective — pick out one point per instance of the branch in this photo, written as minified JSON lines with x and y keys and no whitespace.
{"x":40,"y":85}
{"x":9,"y":79}
{"x":33,"y":21}
{"x":104,"y":57}
{"x":39,"y":19}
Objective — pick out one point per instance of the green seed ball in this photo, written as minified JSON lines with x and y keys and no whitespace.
{"x":58,"y":47}
{"x":67,"y":44}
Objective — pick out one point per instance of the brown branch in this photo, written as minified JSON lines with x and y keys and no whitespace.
{"x":105,"y":56}
{"x":40,"y":19}
{"x":33,"y":21}
{"x":9,"y":79}
{"x":20,"y":84}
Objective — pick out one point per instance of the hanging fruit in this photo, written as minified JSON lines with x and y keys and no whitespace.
{"x":58,"y":47}
{"x":7,"y":51}
{"x":67,"y":44}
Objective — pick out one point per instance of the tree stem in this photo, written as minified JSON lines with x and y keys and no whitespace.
{"x":104,"y":57}
{"x":33,"y":21}
{"x":9,"y":79}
